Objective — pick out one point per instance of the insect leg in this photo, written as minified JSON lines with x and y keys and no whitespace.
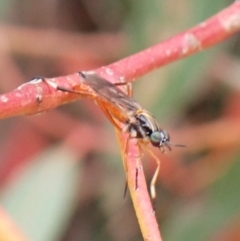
{"x":155,"y":175}
{"x":108,"y":115}
{"x":128,"y":85}
{"x":129,"y":89}
{"x":64,"y":89}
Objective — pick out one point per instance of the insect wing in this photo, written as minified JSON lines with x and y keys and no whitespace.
{"x":111,"y":94}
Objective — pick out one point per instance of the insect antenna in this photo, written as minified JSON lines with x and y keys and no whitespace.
{"x":168,"y":144}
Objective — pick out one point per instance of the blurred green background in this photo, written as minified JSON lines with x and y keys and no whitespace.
{"x":61,"y":176}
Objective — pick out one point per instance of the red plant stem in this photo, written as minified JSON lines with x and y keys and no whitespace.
{"x":36,"y":96}
{"x":140,"y":197}
{"x":32,"y":97}
{"x":221,"y":26}
{"x":206,"y":34}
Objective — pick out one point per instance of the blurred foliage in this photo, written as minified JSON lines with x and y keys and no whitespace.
{"x":61,"y":176}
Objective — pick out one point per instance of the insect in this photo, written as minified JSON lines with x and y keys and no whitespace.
{"x":125,"y":114}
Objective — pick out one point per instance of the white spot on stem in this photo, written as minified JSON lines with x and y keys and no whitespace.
{"x":168,"y":52}
{"x":4,"y":99}
{"x":231,"y":24}
{"x":122,"y":79}
{"x":34,"y":81}
{"x":109,"y":71}
{"x":192,"y":43}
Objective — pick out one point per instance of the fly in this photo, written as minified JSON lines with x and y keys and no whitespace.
{"x":121,"y":108}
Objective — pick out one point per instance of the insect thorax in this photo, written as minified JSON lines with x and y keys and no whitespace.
{"x":141,"y":127}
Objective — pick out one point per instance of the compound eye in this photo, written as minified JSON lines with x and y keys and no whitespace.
{"x":159,"y":138}
{"x":156,"y":138}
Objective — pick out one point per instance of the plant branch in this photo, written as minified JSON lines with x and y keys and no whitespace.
{"x":23,"y":101}
{"x":140,"y":197}
{"x":204,"y":35}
